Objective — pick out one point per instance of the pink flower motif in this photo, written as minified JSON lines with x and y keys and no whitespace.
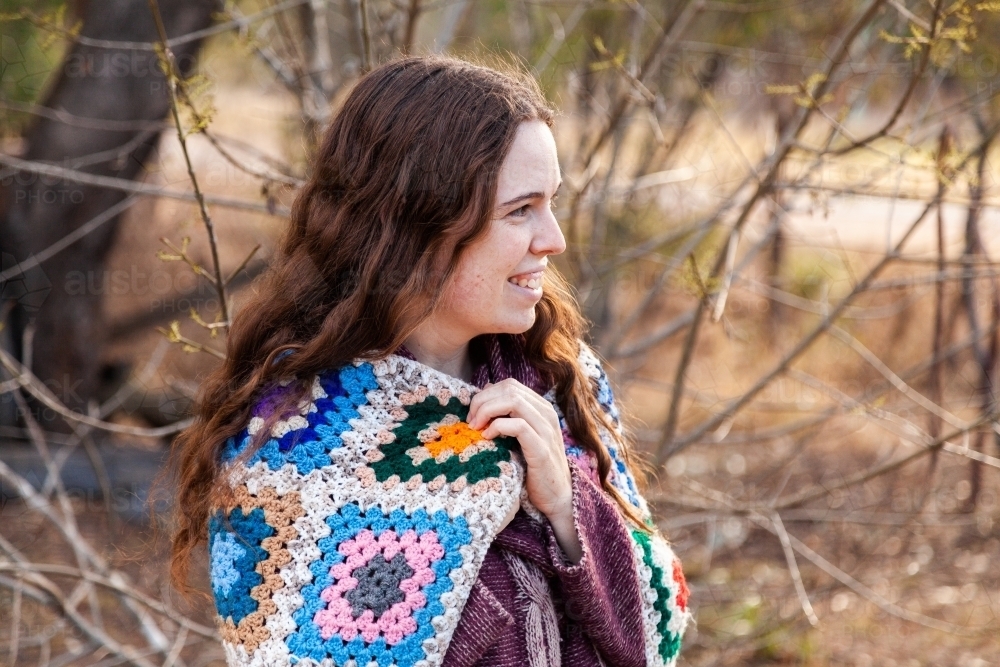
{"x":397,"y":622}
{"x":389,"y":544}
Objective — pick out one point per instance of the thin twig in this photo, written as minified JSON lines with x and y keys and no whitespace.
{"x":793,"y":568}
{"x":83,"y":230}
{"x":687,"y":353}
{"x":27,"y":380}
{"x":870,"y":595}
{"x":897,"y":382}
{"x":800,"y":347}
{"x":172,"y":74}
{"x":365,"y":36}
{"x":242,"y":265}
{"x":118,"y":585}
{"x":125,"y":185}
{"x":817,"y":491}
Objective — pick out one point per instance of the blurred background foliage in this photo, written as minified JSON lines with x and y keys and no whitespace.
{"x":816,"y":399}
{"x":30,"y":55}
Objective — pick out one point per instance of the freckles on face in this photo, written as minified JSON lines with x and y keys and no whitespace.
{"x":478,"y":295}
{"x":523,"y":231}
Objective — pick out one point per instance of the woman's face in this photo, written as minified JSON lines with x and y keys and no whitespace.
{"x":498,"y":279}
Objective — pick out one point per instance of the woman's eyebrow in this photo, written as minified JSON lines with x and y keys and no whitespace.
{"x":529,"y":195}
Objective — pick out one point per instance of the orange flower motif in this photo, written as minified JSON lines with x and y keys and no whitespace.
{"x":457,"y":437}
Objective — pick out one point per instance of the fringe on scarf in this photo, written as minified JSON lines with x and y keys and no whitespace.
{"x":541,"y":624}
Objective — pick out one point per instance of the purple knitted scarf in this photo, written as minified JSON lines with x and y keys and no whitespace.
{"x":497,"y":357}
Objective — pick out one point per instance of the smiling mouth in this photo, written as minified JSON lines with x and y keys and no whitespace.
{"x":530,"y":281}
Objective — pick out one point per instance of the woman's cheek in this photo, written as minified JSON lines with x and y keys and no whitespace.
{"x":473,"y":292}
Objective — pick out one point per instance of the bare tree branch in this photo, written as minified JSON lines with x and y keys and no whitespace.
{"x":124,"y":185}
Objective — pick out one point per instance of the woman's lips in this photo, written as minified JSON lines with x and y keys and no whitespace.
{"x":532,"y":280}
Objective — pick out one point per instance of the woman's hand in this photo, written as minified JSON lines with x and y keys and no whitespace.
{"x":510,"y":408}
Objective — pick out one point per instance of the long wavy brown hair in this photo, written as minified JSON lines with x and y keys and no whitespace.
{"x":405,"y":179}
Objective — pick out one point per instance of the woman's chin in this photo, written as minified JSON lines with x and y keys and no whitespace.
{"x":516,"y":322}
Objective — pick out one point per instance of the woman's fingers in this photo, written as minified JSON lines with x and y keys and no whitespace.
{"x":548,"y":480}
{"x":506,"y":409}
{"x":514,"y":427}
{"x":502,"y":406}
{"x":536,"y":453}
{"x":513,"y":398}
{"x":487,"y":392}
{"x":509,"y":408}
{"x":512,"y":386}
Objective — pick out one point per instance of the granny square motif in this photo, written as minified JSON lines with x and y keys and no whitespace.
{"x":361,"y":524}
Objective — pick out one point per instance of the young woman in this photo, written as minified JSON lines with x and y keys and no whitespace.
{"x":410,"y":457}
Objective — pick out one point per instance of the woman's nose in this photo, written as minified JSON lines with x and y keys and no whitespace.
{"x":549,"y":239}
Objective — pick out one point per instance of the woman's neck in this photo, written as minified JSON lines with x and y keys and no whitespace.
{"x":448,"y":357}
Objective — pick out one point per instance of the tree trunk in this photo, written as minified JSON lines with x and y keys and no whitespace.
{"x":125,"y":88}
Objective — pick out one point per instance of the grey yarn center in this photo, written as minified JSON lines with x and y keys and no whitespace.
{"x":378,"y":585}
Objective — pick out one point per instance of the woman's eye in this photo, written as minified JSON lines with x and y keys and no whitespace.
{"x":523,"y":211}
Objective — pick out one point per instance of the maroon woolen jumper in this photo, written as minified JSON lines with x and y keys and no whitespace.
{"x":597,"y":601}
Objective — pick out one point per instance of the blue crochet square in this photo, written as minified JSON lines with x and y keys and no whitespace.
{"x":234,"y":551}
{"x":622,"y":478}
{"x":396,"y":551}
{"x":309,"y":447}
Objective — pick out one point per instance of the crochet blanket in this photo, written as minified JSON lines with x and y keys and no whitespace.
{"x":661,"y":578}
{"x":361,"y":524}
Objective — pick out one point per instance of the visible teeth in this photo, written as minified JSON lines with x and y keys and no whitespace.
{"x":532,"y":283}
